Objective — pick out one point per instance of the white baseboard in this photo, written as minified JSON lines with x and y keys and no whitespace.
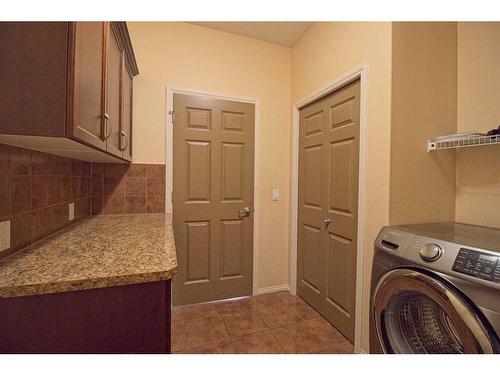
{"x":271,"y":289}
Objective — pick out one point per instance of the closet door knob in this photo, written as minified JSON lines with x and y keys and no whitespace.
{"x":244,"y":212}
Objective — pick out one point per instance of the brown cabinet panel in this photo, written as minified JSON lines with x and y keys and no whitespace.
{"x":33,"y":65}
{"x":112,"y":92}
{"x":126,"y":122}
{"x":133,"y":318}
{"x":87,"y":122}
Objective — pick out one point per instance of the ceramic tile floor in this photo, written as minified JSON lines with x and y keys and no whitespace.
{"x":264,"y":324}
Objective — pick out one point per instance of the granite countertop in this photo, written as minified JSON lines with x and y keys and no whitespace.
{"x":97,"y":252}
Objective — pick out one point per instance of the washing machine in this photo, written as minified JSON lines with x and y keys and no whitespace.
{"x":435,"y":288}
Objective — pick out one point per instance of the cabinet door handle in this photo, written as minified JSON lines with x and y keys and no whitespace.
{"x":108,"y":119}
{"x":126,"y":141}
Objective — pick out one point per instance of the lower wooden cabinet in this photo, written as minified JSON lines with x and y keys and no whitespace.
{"x":68,"y":87}
{"x":123,"y":319}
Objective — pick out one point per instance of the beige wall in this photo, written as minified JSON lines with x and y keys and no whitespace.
{"x":478,"y":179}
{"x":424,"y":92}
{"x":462,"y":65}
{"x":327,"y":51}
{"x":190,"y":56}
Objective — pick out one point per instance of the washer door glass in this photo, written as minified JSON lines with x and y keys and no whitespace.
{"x":416,"y":324}
{"x":417,"y":313}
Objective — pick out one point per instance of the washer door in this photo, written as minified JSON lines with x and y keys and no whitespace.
{"x":417,"y":313}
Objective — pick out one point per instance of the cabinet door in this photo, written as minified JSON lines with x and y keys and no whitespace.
{"x":87,"y":123}
{"x":126,"y":130}
{"x":112,"y":108}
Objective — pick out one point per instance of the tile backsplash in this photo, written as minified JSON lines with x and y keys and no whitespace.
{"x":35,"y":191}
{"x":127,"y":188}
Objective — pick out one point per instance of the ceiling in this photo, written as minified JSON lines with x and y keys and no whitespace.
{"x":284,"y":33}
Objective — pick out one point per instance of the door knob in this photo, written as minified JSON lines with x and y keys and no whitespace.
{"x":327,"y":221}
{"x":244,"y":211}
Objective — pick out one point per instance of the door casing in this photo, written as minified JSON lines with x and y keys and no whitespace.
{"x":360,"y":73}
{"x":169,"y":157}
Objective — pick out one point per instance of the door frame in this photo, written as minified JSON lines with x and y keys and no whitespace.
{"x":360,"y":73}
{"x":169,"y":157}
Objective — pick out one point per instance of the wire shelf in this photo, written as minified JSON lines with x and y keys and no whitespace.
{"x":482,"y":140}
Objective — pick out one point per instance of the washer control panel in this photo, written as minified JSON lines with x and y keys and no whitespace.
{"x":475,"y":263}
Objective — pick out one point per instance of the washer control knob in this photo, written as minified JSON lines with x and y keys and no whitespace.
{"x":431,"y":252}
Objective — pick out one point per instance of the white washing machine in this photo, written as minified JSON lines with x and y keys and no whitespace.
{"x":436,"y":289}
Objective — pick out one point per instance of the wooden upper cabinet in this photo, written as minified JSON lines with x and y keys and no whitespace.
{"x":112,"y":91}
{"x":86,"y":121}
{"x":70,"y":85}
{"x":127,"y":98}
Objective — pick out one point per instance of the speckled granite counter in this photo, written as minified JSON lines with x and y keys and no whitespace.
{"x":98,"y":252}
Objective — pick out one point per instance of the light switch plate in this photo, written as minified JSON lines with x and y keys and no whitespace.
{"x":4,"y":235}
{"x":276,"y":194}
{"x":71,"y":211}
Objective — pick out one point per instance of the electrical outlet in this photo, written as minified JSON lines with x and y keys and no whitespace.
{"x":71,"y":211}
{"x":276,"y":194}
{"x":4,"y":235}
